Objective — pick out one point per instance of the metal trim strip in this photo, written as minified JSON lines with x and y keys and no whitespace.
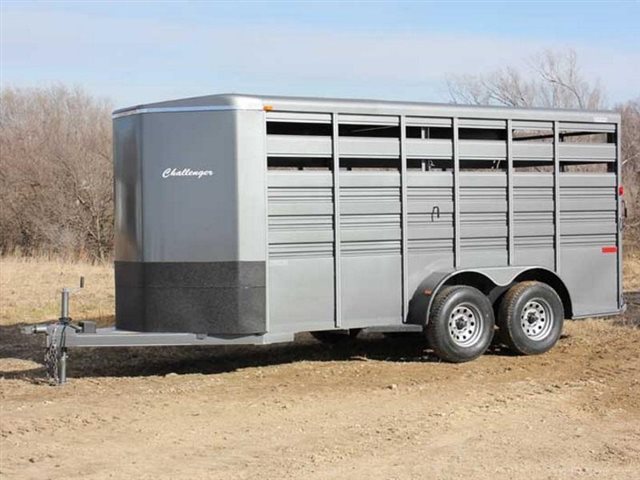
{"x":510,"y":209}
{"x":556,"y":194}
{"x":211,"y":108}
{"x":404,"y":218}
{"x":619,"y":233}
{"x":456,"y":193}
{"x":267,"y":256}
{"x":337,"y":270}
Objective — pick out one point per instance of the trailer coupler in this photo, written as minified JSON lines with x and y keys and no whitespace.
{"x":56,"y":353}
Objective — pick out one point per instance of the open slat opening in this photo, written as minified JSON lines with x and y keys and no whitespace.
{"x":299,"y":163}
{"x":428,"y":133}
{"x":298,"y":128}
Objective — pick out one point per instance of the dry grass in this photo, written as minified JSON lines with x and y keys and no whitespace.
{"x":632,"y":271}
{"x":30,"y":288}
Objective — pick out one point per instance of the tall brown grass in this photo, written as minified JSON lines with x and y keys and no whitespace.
{"x":30,"y":289}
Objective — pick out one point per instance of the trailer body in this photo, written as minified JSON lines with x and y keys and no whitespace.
{"x":243,"y":216}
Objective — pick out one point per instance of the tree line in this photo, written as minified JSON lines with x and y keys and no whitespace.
{"x":56,"y":173}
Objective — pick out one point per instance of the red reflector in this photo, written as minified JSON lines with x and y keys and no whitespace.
{"x":621,"y":190}
{"x":609,"y":249}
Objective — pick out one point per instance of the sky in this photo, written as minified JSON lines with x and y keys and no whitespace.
{"x":140,"y":52}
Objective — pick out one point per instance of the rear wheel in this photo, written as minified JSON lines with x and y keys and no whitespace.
{"x":530,"y":318}
{"x":461,"y":324}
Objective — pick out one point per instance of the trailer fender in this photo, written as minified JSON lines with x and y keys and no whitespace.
{"x":490,"y":281}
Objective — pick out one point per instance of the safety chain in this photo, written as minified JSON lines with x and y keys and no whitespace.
{"x":52,"y":357}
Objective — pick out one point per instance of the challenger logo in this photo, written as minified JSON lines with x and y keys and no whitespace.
{"x":186,"y":172}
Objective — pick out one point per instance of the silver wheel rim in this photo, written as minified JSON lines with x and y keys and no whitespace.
{"x":537,"y":319}
{"x":465,"y":325}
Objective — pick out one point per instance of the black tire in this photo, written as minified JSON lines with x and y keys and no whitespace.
{"x":530,"y":318}
{"x":461,"y":324}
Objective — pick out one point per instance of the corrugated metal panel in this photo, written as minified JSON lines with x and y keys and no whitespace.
{"x":482,"y":123}
{"x":432,"y":179}
{"x":430,"y":212}
{"x":587,"y":127}
{"x":437,"y":245}
{"x":298,"y":146}
{"x":595,"y":240}
{"x":292,"y":180}
{"x":483,"y":218}
{"x":300,"y":244}
{"x":426,"y":204}
{"x":370,"y":179}
{"x":300,"y":214}
{"x":584,"y":152}
{"x":588,"y":208}
{"x":428,"y":122}
{"x":370,"y":212}
{"x":477,"y":243}
{"x":371,"y":244}
{"x":533,"y":219}
{"x":431,"y":149}
{"x":483,"y":179}
{"x":533,"y":180}
{"x":575,"y":196}
{"x":532,"y":152}
{"x":369,"y":120}
{"x":298,"y":117}
{"x":588,"y":180}
{"x":369,"y":147}
{"x":532,"y":125}
{"x":544,"y":242}
{"x":482,"y":150}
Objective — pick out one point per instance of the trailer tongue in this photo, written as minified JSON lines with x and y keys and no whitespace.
{"x":65,"y":334}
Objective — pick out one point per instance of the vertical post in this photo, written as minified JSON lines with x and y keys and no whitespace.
{"x":265,"y":166}
{"x":456,"y":194}
{"x":64,"y":305}
{"x":556,"y":195}
{"x":510,"y":206}
{"x":404,"y":213}
{"x":619,"y":213}
{"x":336,"y":220}
{"x":62,"y":367}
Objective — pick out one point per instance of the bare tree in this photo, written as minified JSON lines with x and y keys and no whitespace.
{"x":630,"y":112}
{"x":55,"y":172}
{"x":549,"y":79}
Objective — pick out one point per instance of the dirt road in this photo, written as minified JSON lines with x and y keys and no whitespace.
{"x":378,"y":409}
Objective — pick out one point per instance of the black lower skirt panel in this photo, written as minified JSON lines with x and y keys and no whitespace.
{"x":225,"y":298}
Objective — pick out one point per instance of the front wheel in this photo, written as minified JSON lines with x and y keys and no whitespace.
{"x":461,"y":324}
{"x":530,"y":318}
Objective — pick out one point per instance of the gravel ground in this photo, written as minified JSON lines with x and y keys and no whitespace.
{"x":378,"y":408}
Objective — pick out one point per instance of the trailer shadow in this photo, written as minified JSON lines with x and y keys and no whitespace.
{"x":21,"y":356}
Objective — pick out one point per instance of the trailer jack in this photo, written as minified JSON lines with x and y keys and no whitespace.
{"x":56,"y":353}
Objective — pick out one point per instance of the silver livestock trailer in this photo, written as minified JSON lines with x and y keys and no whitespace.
{"x":247,"y":219}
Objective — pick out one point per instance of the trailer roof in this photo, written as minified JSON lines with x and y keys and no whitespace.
{"x":366,"y":106}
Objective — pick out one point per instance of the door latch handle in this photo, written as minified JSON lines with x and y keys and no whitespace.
{"x":435,"y":212}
